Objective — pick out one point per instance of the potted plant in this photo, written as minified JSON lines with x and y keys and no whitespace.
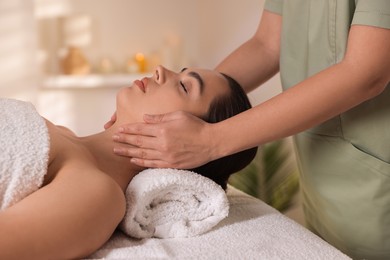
{"x":272,"y":176}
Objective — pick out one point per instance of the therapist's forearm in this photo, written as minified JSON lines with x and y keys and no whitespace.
{"x":363,"y":74}
{"x":303,"y":106}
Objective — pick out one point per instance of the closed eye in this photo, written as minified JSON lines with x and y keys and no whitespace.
{"x":183,"y":86}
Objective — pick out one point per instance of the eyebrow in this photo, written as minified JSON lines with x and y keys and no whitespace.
{"x":197,"y":77}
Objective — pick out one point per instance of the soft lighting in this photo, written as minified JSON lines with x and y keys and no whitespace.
{"x":18,"y":67}
{"x":141,"y":62}
{"x":77,"y":30}
{"x":51,"y":8}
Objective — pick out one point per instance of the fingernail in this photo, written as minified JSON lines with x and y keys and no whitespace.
{"x":115,"y":137}
{"x":121,"y":129}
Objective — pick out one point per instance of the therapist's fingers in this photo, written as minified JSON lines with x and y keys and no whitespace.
{"x":159,"y":118}
{"x":151,"y":163}
{"x":141,"y":129}
{"x":108,"y":124}
{"x":156,"y":125}
{"x":136,"y":140}
{"x":111,"y":122}
{"x":142,"y":157}
{"x":144,"y":154}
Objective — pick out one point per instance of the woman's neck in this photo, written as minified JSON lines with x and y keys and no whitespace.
{"x":101,"y":147}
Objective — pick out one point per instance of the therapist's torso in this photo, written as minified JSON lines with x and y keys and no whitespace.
{"x":344,"y":162}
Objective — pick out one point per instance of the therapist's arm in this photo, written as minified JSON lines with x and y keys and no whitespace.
{"x":360,"y":76}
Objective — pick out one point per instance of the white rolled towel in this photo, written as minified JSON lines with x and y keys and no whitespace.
{"x":171,"y":203}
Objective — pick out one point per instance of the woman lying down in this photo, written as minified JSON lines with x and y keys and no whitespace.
{"x":75,"y":196}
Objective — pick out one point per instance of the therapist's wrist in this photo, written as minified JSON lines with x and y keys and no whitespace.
{"x":216,"y":142}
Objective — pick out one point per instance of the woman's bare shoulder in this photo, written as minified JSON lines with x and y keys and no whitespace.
{"x":70,"y":217}
{"x":87,"y":179}
{"x":59,"y":127}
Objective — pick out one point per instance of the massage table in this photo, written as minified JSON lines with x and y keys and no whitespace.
{"x":252,"y":230}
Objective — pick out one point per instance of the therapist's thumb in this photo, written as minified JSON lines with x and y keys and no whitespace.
{"x":153,"y":119}
{"x":160,"y":118}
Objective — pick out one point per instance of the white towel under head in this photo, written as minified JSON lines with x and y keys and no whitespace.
{"x":167,"y":203}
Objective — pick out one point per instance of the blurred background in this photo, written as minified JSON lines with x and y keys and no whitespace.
{"x":69,"y":58}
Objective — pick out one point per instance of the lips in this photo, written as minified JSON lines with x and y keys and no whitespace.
{"x":141,"y":84}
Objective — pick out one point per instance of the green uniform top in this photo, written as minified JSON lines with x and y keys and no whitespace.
{"x":344,"y":162}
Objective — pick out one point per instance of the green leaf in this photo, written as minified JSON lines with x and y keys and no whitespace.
{"x":272,"y":176}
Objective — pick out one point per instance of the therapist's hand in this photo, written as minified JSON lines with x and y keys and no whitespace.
{"x":111,"y":122}
{"x":174,"y":140}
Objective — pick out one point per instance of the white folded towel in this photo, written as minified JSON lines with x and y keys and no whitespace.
{"x":168,"y":203}
{"x":24,"y":151}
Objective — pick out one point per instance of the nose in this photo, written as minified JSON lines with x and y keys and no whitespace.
{"x":158,"y":75}
{"x":162,"y":74}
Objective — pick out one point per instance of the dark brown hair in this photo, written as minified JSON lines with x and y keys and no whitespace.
{"x":224,"y":107}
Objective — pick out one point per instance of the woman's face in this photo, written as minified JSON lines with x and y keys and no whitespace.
{"x":192,"y":90}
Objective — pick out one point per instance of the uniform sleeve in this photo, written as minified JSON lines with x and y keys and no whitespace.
{"x":372,"y":12}
{"x":274,"y":6}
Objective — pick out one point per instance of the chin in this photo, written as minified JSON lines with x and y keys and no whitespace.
{"x":124,"y":117}
{"x":127,"y":118}
{"x":123,"y":94}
